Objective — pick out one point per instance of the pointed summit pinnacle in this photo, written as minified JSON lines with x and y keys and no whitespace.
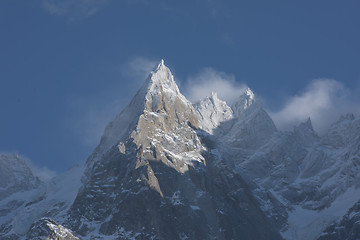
{"x":159,"y":93}
{"x":245,"y":101}
{"x":249,"y":93}
{"x":160,"y":65}
{"x":213,"y":95}
{"x":304,"y":126}
{"x":161,"y":75}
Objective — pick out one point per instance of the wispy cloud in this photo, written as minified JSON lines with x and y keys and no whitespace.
{"x":324,"y":100}
{"x":209,"y":80}
{"x":91,"y":115}
{"x":43,"y":173}
{"x":138,"y":68}
{"x":74,"y":9}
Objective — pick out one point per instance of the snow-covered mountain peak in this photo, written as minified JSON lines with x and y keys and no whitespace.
{"x":305,"y":126}
{"x":305,"y":133}
{"x":251,"y":125}
{"x":211,"y":112}
{"x":161,"y":74}
{"x":161,"y":83}
{"x":214,"y":96}
{"x":159,"y":121}
{"x":249,"y":93}
{"x":161,"y":64}
{"x":227,"y":171}
{"x":343,"y":132}
{"x":245,"y":101}
{"x":154,"y":167}
{"x":158,"y":97}
{"x":166,"y":112}
{"x":215,"y":99}
{"x":341,"y":124}
{"x":160,"y":68}
{"x":15,"y":175}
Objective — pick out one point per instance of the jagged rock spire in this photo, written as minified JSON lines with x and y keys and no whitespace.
{"x":157,"y":107}
{"x":212,"y":112}
{"x":244,"y":102}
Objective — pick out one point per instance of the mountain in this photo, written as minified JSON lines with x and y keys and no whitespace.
{"x":15,"y":175}
{"x":211,"y":111}
{"x":20,"y":209}
{"x":169,"y":169}
{"x":159,"y":179}
{"x":250,"y":127}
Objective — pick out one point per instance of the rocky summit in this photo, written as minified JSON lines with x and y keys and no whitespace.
{"x":166,"y":168}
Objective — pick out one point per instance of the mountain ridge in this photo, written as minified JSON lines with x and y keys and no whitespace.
{"x":169,"y":169}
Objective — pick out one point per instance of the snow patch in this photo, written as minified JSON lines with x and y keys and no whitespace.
{"x":307,"y":224}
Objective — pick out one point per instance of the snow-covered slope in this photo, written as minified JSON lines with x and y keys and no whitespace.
{"x":244,"y":102}
{"x":211,"y":112}
{"x":53,"y":198}
{"x":251,"y":126}
{"x":303,"y":181}
{"x":347,"y":228}
{"x":15,"y":175}
{"x":308,"y":173}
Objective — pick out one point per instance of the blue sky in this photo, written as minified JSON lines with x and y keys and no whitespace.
{"x":67,"y":67}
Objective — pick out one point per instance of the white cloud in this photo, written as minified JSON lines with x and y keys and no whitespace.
{"x":90,"y":116}
{"x":43,"y":173}
{"x":138,"y":68}
{"x":324,"y":100}
{"x":74,"y":9}
{"x":209,"y":80}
